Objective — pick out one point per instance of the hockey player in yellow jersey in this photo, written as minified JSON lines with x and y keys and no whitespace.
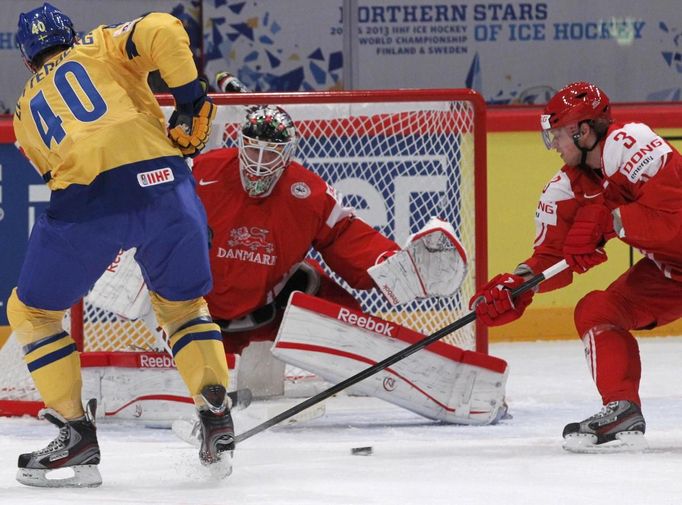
{"x":118,"y":179}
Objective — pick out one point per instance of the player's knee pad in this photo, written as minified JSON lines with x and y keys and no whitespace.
{"x":173,"y":314}
{"x":594,"y":309}
{"x":195,"y":340}
{"x":31,"y":324}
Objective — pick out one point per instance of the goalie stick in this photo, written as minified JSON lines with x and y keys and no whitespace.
{"x":408,"y":351}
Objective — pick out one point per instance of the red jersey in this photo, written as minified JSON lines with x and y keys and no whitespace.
{"x":641,"y":175}
{"x":258,"y":242}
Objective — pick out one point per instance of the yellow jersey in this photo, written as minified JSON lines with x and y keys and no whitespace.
{"x":89,"y":109}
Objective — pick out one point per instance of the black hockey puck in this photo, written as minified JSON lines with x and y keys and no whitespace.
{"x":362,"y":451}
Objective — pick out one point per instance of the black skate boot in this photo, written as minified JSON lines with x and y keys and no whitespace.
{"x":189,"y":430}
{"x":217,"y":431}
{"x":618,"y":426}
{"x":76,"y":448}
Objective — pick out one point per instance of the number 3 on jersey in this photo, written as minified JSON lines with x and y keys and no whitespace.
{"x":49,"y":124}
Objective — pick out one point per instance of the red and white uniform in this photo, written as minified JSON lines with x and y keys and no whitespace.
{"x":641,"y":175}
{"x":258,"y":242}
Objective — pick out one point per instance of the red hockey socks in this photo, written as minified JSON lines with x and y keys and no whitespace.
{"x":613,"y":358}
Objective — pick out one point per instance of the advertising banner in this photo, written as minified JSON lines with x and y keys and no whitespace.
{"x":511,"y":52}
{"x":520,"y":52}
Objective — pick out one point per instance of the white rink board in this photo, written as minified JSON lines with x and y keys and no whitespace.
{"x":414,"y":462}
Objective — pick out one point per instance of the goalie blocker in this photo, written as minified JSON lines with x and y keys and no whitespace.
{"x":442,"y":382}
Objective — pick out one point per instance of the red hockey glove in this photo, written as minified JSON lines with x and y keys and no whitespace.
{"x":493,"y":302}
{"x":584,"y":241}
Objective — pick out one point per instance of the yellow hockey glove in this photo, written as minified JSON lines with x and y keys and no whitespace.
{"x":190,"y":124}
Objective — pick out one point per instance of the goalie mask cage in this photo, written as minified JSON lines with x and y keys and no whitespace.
{"x":398,"y":157}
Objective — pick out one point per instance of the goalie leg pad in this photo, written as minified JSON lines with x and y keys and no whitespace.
{"x":121,"y":288}
{"x":442,"y":382}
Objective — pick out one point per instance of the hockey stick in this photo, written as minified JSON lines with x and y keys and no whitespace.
{"x":408,"y":351}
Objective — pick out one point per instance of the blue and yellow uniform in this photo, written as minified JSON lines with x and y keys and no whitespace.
{"x":89,"y":111}
{"x":92,"y":127}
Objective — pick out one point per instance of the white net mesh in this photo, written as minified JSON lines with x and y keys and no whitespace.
{"x":396,"y":163}
{"x":15,"y":382}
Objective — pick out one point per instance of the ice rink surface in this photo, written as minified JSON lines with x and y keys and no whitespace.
{"x":519,"y":461}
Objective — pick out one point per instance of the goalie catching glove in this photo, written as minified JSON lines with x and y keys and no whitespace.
{"x":190,"y":124}
{"x":432,"y":263}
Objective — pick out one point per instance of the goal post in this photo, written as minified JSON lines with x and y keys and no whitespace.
{"x":398,"y":157}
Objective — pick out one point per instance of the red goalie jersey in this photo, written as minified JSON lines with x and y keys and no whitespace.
{"x":642,"y":177}
{"x":257,"y":243}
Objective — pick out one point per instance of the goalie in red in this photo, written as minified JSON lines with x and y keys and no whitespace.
{"x":266,"y":211}
{"x":618,"y":180}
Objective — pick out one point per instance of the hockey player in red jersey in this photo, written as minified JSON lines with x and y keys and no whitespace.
{"x":265,"y":211}
{"x":618,"y":180}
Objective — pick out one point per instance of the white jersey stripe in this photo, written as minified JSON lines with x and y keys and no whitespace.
{"x":337,"y":214}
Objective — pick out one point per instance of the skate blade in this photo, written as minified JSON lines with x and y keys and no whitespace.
{"x":83,"y":476}
{"x":222,"y":468}
{"x":626,"y":441}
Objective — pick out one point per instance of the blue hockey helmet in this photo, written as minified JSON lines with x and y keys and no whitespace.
{"x":41,"y":29}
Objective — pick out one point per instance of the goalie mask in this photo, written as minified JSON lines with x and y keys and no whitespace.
{"x":267,"y":141}
{"x":572,"y":105}
{"x":42,"y":29}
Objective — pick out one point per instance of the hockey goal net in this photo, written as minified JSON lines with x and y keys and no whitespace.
{"x":397,"y":157}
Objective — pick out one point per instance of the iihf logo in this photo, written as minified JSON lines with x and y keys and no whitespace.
{"x":154,"y":177}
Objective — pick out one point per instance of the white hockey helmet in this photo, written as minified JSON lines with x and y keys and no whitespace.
{"x":267,"y":141}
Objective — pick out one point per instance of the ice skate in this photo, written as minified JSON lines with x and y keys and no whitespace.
{"x":618,"y":427}
{"x":189,"y":430}
{"x":216,"y":431}
{"x":75,"y":447}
